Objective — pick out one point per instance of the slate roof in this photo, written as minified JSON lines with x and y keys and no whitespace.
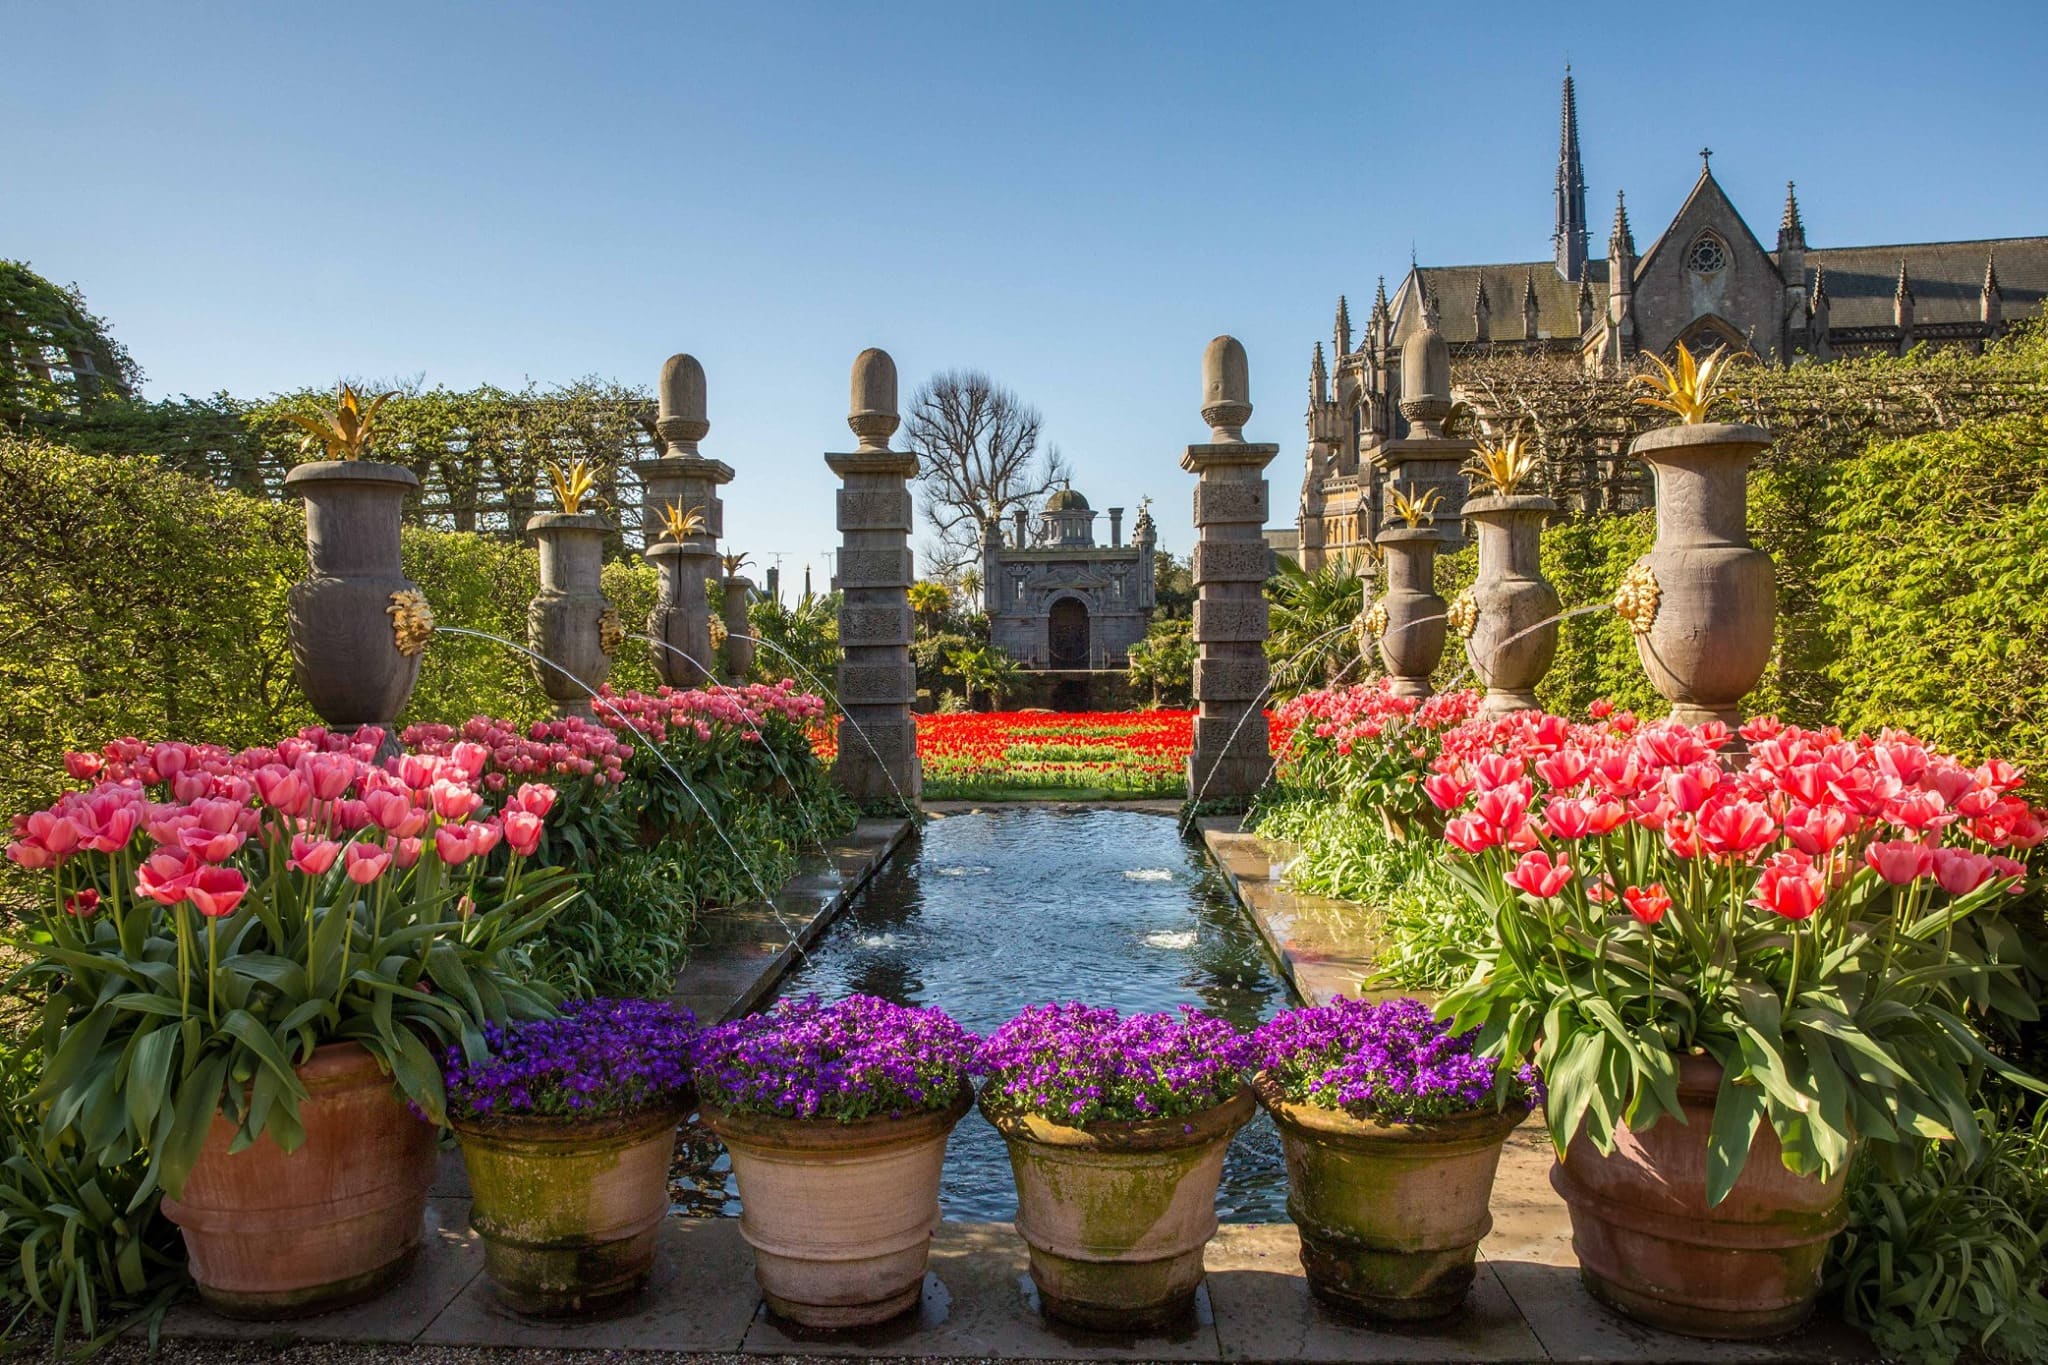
{"x":1946,"y":278}
{"x":1457,"y":288}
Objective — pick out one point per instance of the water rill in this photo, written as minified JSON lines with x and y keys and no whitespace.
{"x":681,"y":519}
{"x":877,"y":682}
{"x":1231,"y":565}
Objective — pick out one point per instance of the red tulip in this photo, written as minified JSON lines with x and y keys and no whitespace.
{"x":216,"y":891}
{"x":1731,"y":829}
{"x":1647,"y":903}
{"x":166,"y":876}
{"x":1568,"y":817}
{"x":1900,"y":861}
{"x":1790,"y":886}
{"x":1539,"y":876}
{"x":82,"y":903}
{"x":1446,"y":791}
{"x":1820,"y":830}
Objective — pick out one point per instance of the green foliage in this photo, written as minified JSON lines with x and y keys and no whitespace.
{"x":56,"y":359}
{"x":1314,"y":622}
{"x":1164,"y":661}
{"x":1934,"y":584}
{"x":81,"y":1247}
{"x":799,"y":639}
{"x":987,"y":671}
{"x":1950,"y":1256}
{"x":1173,"y":586}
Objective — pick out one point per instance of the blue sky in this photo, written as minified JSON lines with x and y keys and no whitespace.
{"x":1072,"y":197}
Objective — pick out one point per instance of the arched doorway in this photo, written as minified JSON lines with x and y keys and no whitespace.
{"x":1066,"y":633}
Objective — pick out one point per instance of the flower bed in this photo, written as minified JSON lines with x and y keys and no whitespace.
{"x":1047,"y":753}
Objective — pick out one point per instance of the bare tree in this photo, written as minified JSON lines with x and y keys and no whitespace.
{"x":978,"y":458}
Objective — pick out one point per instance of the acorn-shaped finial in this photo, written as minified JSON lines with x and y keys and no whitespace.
{"x":681,"y":421}
{"x":873,"y":416}
{"x":1226,"y":390}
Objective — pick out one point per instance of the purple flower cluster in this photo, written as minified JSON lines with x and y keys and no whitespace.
{"x":856,"y":1058}
{"x":596,"y":1059}
{"x":1394,"y":1061}
{"x":1076,"y":1064}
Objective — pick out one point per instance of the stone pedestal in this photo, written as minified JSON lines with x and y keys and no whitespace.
{"x":739,"y":632}
{"x":357,"y":624}
{"x":877,"y":682}
{"x":1232,"y":755}
{"x":1409,"y":617}
{"x":687,"y":481}
{"x":1511,"y":628}
{"x":567,"y":619}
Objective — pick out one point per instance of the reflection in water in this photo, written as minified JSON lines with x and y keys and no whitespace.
{"x":1009,"y":907}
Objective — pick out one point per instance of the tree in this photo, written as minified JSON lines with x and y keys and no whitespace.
{"x":1314,"y":637}
{"x":987,"y":668}
{"x":978,"y":458}
{"x":1165,"y":661}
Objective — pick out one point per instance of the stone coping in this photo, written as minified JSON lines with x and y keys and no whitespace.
{"x":979,"y":1303}
{"x":752,"y":946}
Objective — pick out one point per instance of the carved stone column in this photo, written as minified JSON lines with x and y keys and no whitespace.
{"x":569,"y":622}
{"x":877,"y":682}
{"x":1232,"y":755}
{"x":687,"y":483}
{"x":739,"y":632}
{"x":1426,"y":461}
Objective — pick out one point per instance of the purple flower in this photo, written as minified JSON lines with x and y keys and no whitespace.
{"x":1076,"y":1064}
{"x":1393,"y":1061}
{"x":596,"y":1059}
{"x":857,"y":1058}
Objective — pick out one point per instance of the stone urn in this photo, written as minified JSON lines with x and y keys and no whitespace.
{"x":569,"y":622}
{"x":1116,"y":1215}
{"x":1390,"y":1214}
{"x":840,"y":1215}
{"x":681,"y":619}
{"x":1509,"y":650}
{"x":1703,"y":602}
{"x":357,"y":624}
{"x":739,"y":643}
{"x":1651,"y":1246}
{"x":1409,"y":617}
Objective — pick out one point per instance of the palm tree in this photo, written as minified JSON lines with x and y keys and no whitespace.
{"x":1313,"y":614}
{"x":987,"y":668}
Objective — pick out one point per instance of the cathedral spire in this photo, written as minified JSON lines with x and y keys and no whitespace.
{"x":1621,"y":239}
{"x":1788,"y":223}
{"x":1991,"y":290}
{"x":1990,"y":303}
{"x":1820,"y":287}
{"x":1343,"y":328}
{"x":1318,"y":380}
{"x":1570,"y":237}
{"x":1903,"y":292}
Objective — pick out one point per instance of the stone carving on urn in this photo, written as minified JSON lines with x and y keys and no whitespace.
{"x":1232,"y":757}
{"x":1409,"y":618}
{"x":566,"y":621}
{"x":1703,"y":602}
{"x":357,"y":624}
{"x":1508,"y":616}
{"x":681,"y":520}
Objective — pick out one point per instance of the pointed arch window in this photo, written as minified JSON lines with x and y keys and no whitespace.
{"x":1707,"y":255}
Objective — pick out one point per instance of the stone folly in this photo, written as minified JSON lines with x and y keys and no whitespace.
{"x":682,"y":487}
{"x":570,"y":623}
{"x":877,"y":682}
{"x":1232,"y":755}
{"x":1057,"y":600}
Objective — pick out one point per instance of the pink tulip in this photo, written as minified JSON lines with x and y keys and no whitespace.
{"x":57,"y":833}
{"x":365,"y":862}
{"x":452,"y":844}
{"x":1820,"y":830}
{"x":81,"y":904}
{"x":1539,"y":876}
{"x":453,"y":801}
{"x":166,"y":876}
{"x":1734,"y":828}
{"x":417,"y":771}
{"x":1960,"y":871}
{"x":405,"y":852}
{"x":30,"y":855}
{"x":329,"y":775}
{"x":522,"y":832}
{"x":484,"y":836}
{"x":469,"y":759}
{"x":192,"y":785}
{"x":313,"y":857}
{"x":216,"y":891}
{"x":208,"y":846}
{"x":1790,"y":886}
{"x":1568,"y":817}
{"x":83,"y":767}
{"x":389,"y":809}
{"x":1471,"y":834}
{"x":170,"y":759}
{"x":1900,"y":861}
{"x":1446,"y":791}
{"x":535,"y":798}
{"x":283,"y":790}
{"x":1647,"y":903}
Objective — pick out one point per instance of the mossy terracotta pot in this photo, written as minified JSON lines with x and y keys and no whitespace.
{"x":568,"y":1209}
{"x":276,"y":1234}
{"x":1116,"y":1214}
{"x":1649,"y":1245}
{"x":840,"y":1215}
{"x":1391,"y":1214}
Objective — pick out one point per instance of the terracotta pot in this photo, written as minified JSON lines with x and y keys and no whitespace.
{"x":1391,"y":1214}
{"x":1649,"y":1245}
{"x":1116,"y":1214}
{"x":568,"y":1210}
{"x":565,"y":619}
{"x":1711,"y":636}
{"x":1514,"y":638}
{"x":345,"y":651}
{"x":1413,"y":640}
{"x":840,"y":1215}
{"x":277,"y":1235}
